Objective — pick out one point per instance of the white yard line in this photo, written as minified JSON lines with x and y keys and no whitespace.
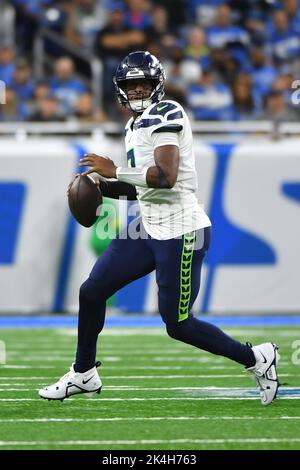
{"x":147,"y":418}
{"x":143,"y":377}
{"x":134,"y":331}
{"x":7,"y":377}
{"x":126,"y":388}
{"x":261,"y":332}
{"x":121,"y":388}
{"x":63,"y":361}
{"x":160,"y":331}
{"x":66,"y":359}
{"x":220,"y":398}
{"x":196,"y":376}
{"x":108,"y":351}
{"x":131,"y":377}
{"x":15,"y":366}
{"x":129,"y":367}
{"x":17,"y":389}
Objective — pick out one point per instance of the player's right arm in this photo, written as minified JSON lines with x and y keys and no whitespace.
{"x":116,"y":189}
{"x":113,"y":189}
{"x":103,"y":168}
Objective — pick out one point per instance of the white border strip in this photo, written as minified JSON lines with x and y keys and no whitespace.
{"x":150,"y":442}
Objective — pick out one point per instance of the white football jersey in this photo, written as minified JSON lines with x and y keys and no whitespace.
{"x":166,"y":213}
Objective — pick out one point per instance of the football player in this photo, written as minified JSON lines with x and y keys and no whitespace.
{"x":173,"y":238}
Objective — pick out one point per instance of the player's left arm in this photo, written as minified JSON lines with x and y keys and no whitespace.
{"x":164,"y":173}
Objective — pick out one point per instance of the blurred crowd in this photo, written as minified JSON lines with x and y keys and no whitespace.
{"x":224,"y":60}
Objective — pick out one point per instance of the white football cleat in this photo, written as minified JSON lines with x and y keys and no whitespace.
{"x":264,"y":372}
{"x":73,"y":383}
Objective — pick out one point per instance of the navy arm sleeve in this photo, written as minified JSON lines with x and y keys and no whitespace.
{"x":115,"y":189}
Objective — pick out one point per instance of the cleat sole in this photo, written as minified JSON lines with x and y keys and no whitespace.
{"x":92,"y":394}
{"x":86,"y":394}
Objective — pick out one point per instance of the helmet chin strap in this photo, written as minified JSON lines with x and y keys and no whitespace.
{"x":139,"y":106}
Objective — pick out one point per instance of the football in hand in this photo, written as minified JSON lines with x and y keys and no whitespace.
{"x":84,"y":200}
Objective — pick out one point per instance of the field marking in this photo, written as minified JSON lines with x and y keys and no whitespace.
{"x":170,"y":367}
{"x":19,"y":384}
{"x":265,"y":333}
{"x":66,"y":359}
{"x":147,"y":418}
{"x":110,"y":352}
{"x":134,"y":331}
{"x":129,"y":367}
{"x":220,"y":398}
{"x":10,"y":366}
{"x":160,"y":331}
{"x":210,"y":390}
{"x":152,"y":441}
{"x":126,"y":388}
{"x":141,"y":357}
{"x":196,"y":376}
{"x":17,"y":389}
{"x":124,"y":378}
{"x":110,"y":367}
{"x":7,"y":377}
{"x":69,"y":359}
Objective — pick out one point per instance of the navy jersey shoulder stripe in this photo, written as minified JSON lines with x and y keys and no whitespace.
{"x":162,"y":108}
{"x":168,"y":128}
{"x":146,"y":123}
{"x":175,"y":115}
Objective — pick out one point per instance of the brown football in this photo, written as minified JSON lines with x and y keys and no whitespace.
{"x":84,"y":200}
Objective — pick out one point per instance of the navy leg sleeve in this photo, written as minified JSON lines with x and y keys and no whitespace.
{"x":210,"y":338}
{"x":178,"y":271}
{"x":124,"y":261}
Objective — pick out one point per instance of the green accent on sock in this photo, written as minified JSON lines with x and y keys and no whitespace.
{"x":186,"y":275}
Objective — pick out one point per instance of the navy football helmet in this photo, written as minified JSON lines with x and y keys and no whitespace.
{"x":137,"y":65}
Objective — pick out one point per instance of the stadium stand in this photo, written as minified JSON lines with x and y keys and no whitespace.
{"x":223,"y":62}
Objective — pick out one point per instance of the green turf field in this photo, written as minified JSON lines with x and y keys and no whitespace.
{"x":157,"y":394}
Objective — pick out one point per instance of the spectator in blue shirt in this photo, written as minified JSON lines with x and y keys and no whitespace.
{"x":196,"y":48}
{"x":137,"y":17}
{"x":65,"y":86}
{"x":263,"y":73}
{"x":223,"y":33}
{"x":255,"y":24}
{"x":210,"y":99}
{"x":285,"y":42}
{"x":203,"y":12}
